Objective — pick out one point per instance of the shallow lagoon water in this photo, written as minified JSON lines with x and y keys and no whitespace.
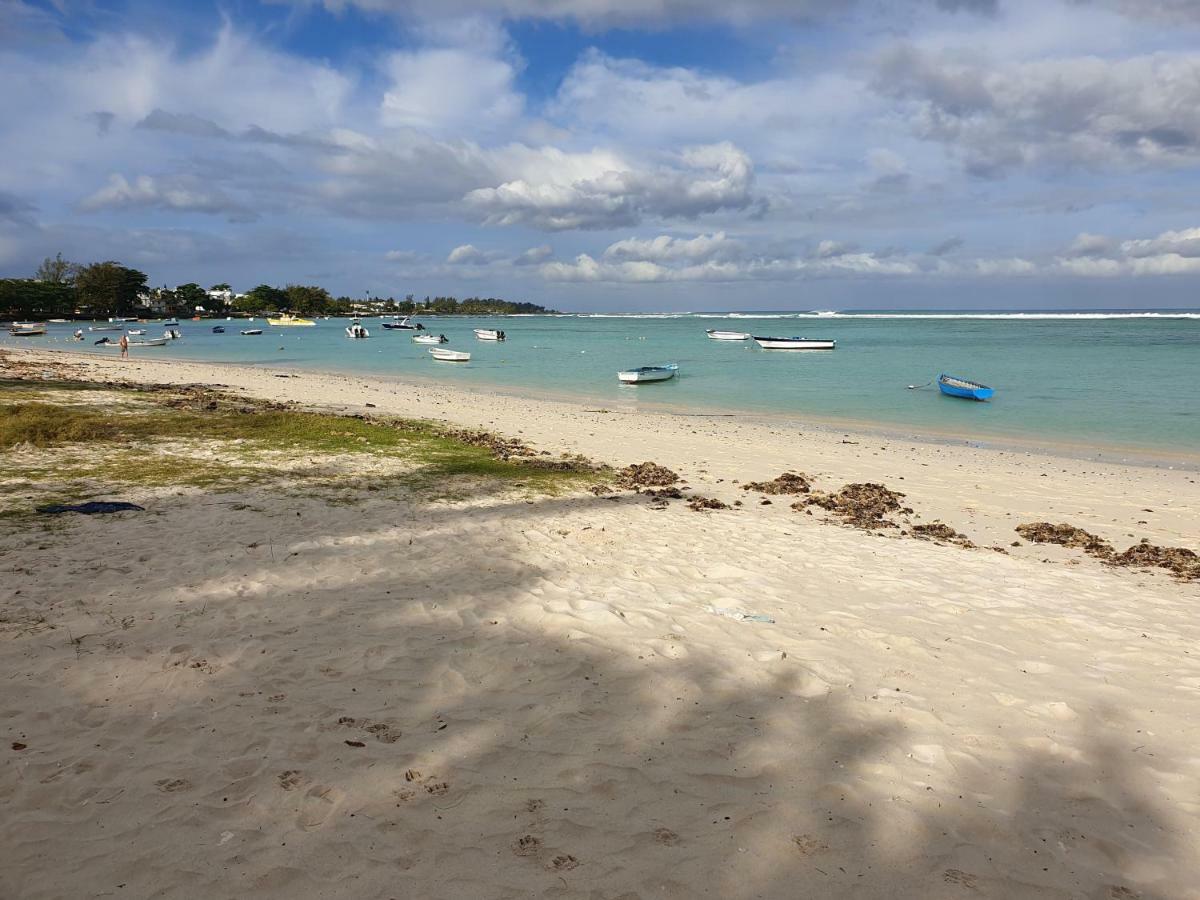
{"x":1089,"y":380}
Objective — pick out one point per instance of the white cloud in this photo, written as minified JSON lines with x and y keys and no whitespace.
{"x":1184,"y":243}
{"x":534,"y":255}
{"x":466,"y":255}
{"x":181,"y":194}
{"x":449,"y":90}
{"x":665,"y":248}
{"x":600,"y":190}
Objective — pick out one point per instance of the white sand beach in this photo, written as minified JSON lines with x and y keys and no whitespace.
{"x":261,"y":693}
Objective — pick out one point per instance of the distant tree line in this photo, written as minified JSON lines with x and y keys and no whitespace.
{"x":62,"y":289}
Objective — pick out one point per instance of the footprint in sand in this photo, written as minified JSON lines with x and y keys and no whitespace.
{"x":809,"y":845}
{"x":534,"y":805}
{"x":527,"y":845}
{"x":666,"y":837}
{"x":564,"y":863}
{"x":291,"y":779}
{"x":319,"y":803}
{"x":277,"y":698}
{"x":958,"y":876}
{"x":438,"y":789}
{"x":173,"y":785}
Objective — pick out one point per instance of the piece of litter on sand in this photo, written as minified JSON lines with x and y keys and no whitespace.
{"x":90,"y":508}
{"x":740,"y":614}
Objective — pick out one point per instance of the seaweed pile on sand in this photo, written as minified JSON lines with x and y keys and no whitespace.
{"x":865,"y":505}
{"x":1181,"y":562}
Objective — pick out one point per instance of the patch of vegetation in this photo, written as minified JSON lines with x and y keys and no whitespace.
{"x":198,"y":438}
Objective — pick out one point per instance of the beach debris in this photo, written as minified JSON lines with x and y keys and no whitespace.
{"x":863,"y":505}
{"x":90,"y":508}
{"x":354,"y":743}
{"x":787,"y":483}
{"x":18,"y":746}
{"x":739,"y":615}
{"x":699,"y":504}
{"x":1065,"y":535}
{"x":940,"y":531}
{"x":1179,"y":561}
{"x":646,"y":474}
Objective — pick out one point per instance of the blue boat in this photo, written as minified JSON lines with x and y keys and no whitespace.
{"x":218,"y":329}
{"x":960,"y":387}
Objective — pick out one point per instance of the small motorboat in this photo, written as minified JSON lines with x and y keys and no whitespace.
{"x":106,"y":328}
{"x":287,"y":320}
{"x":217,"y":329}
{"x":489,"y":334}
{"x":78,"y":335}
{"x":122,"y":318}
{"x":171,"y":323}
{"x":172,"y":334}
{"x":449,"y":355}
{"x":794,"y":343}
{"x":136,"y":331}
{"x":430,"y":339}
{"x":252,"y":331}
{"x":356,"y":329}
{"x":960,"y":387}
{"x":727,"y":335}
{"x":153,"y":342}
{"x":26,"y":329}
{"x":647,"y":374}
{"x":403,"y":325}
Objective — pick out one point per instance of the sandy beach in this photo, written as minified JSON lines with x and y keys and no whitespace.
{"x":263,"y":691}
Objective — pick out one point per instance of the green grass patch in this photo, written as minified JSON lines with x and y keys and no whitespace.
{"x":212,"y":441}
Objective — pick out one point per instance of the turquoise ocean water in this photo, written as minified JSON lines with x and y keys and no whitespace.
{"x":1083,"y":381}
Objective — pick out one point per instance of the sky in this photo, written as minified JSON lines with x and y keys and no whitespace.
{"x":615,"y":154}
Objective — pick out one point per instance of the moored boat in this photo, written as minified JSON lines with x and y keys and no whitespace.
{"x":106,"y":328}
{"x":644,"y":374}
{"x":449,"y":355}
{"x":289,"y":320}
{"x":403,"y":325}
{"x":26,"y":329}
{"x":217,"y":329}
{"x":715,"y":335}
{"x":794,"y":343}
{"x":489,"y":334}
{"x":136,"y":331}
{"x":961,"y":387}
{"x":430,"y":339}
{"x":356,"y":329}
{"x":153,"y":342}
{"x":250,"y":331}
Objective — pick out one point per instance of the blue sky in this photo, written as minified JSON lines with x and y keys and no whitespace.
{"x":614,"y":154}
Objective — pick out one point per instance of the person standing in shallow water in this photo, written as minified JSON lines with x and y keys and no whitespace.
{"x":124,"y":345}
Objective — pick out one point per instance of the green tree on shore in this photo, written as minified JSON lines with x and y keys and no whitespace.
{"x":56,"y":271}
{"x":109,"y":288}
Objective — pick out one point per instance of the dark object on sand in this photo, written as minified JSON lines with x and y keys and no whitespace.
{"x":90,"y":508}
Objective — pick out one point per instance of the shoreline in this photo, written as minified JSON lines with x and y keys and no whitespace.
{"x":1149,"y":457}
{"x":949,"y":481}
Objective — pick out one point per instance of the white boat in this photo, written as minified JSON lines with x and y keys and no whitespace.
{"x":356,"y":329}
{"x":648,"y":373}
{"x":727,"y":335}
{"x":430,"y":339}
{"x":172,"y":334}
{"x":136,"y":331}
{"x":449,"y":355}
{"x":26,"y":329}
{"x":58,"y":321}
{"x":122,"y":318}
{"x":794,"y":343}
{"x":252,"y":331}
{"x":153,"y":342}
{"x":106,"y":328}
{"x":489,"y":334}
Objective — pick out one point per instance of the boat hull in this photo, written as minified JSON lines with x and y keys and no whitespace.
{"x":647,"y":374}
{"x":449,"y":355}
{"x":252,"y":331}
{"x":794,"y":343}
{"x":430,"y":339}
{"x":26,"y":329}
{"x":963,"y":389}
{"x":489,"y":334}
{"x":727,"y":335}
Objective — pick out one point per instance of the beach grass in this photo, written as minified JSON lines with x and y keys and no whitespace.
{"x":65,"y":437}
